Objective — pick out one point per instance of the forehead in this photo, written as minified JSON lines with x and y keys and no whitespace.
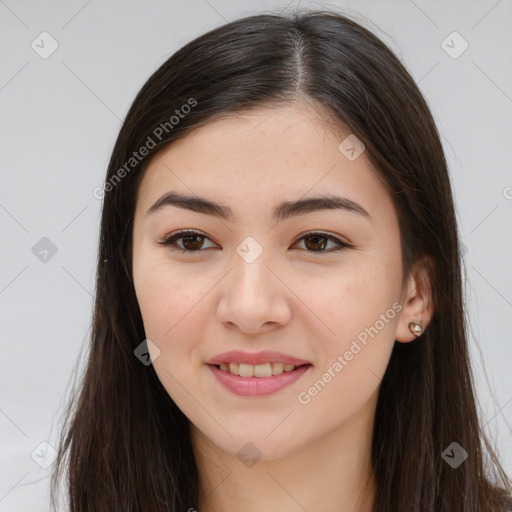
{"x":261,"y":156}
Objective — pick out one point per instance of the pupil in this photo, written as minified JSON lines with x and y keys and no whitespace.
{"x":315,"y":244}
{"x":194,"y":245}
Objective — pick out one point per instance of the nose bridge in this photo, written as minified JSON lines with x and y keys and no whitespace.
{"x":252,"y":295}
{"x":251,"y":273}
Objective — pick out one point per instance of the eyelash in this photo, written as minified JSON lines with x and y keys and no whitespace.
{"x":172,"y":238}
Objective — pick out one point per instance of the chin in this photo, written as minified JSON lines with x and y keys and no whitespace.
{"x":250,"y":449}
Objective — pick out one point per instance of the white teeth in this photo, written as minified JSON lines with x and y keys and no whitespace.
{"x":277,"y":368}
{"x":245,"y":370}
{"x":258,"y":370}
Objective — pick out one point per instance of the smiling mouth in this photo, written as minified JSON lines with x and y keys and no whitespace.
{"x":258,"y":370}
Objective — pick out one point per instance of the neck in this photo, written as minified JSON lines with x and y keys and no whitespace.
{"x":331,"y":474}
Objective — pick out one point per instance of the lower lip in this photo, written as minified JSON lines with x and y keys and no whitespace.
{"x":257,"y":386}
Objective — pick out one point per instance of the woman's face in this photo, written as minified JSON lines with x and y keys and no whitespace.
{"x":256,"y":280}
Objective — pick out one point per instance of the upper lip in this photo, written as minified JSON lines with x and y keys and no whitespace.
{"x":267,"y":356}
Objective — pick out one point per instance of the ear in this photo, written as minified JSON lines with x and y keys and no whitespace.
{"x":416,"y":299}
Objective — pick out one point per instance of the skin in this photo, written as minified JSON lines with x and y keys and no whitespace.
{"x":312,"y":305}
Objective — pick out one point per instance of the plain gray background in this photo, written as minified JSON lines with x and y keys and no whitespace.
{"x":60,"y":115}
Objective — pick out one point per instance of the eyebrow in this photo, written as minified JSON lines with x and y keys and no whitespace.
{"x":280,"y":212}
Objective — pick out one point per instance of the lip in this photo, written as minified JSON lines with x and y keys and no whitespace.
{"x":267,"y":356}
{"x":257,"y":386}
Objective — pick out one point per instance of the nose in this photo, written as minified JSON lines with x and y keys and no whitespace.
{"x":254,"y":298}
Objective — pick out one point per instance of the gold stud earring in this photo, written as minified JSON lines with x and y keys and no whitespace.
{"x":416,"y":328}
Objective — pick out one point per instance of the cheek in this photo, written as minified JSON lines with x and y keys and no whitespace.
{"x":166,"y":295}
{"x":350,"y":301}
{"x":174,"y":316}
{"x":361,"y":310}
{"x":171,"y":308}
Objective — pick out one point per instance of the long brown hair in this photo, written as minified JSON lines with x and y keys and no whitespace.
{"x":125,"y":444}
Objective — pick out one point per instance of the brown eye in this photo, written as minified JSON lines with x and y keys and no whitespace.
{"x":192,"y":242}
{"x":317,"y":242}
